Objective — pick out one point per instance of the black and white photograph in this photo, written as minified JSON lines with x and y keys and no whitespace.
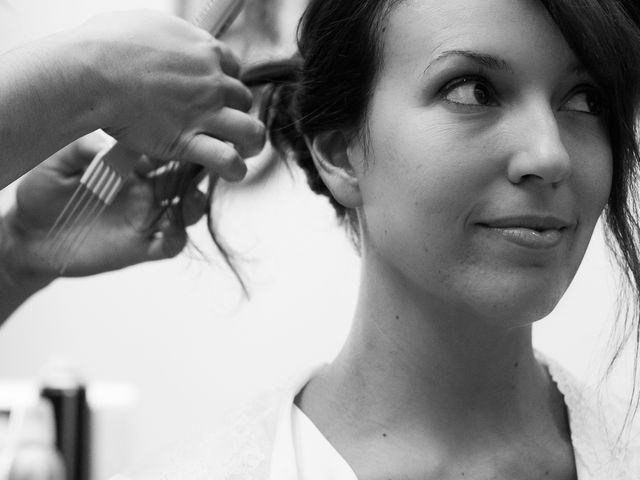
{"x":319,"y":240}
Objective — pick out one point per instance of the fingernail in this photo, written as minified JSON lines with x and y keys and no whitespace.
{"x":237,"y":171}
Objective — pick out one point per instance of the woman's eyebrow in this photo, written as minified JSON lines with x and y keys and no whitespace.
{"x":579,"y":69}
{"x":487,"y":61}
{"x":495,"y":63}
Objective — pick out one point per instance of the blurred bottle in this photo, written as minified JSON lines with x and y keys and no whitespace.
{"x":62,"y":385}
{"x":33,"y":452}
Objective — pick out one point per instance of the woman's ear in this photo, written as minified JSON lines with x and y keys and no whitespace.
{"x":330,"y":156}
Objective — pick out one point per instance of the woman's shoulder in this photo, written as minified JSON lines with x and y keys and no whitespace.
{"x":238,"y":447}
{"x":604,"y":435}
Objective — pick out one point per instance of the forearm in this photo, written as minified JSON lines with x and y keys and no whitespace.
{"x":50,"y":95}
{"x":17,"y":283}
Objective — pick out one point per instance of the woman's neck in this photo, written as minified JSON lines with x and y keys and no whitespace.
{"x":413,"y":369}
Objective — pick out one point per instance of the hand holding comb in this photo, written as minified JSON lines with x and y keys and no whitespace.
{"x":106,"y":174}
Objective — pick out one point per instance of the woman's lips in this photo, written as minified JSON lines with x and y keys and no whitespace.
{"x":534,"y":231}
{"x":528,"y":237}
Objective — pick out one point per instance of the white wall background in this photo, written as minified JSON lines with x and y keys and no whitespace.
{"x":179,"y":331}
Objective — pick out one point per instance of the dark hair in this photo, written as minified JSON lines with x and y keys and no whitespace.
{"x":329,"y":82}
{"x":328,"y":86}
{"x":605,"y":36}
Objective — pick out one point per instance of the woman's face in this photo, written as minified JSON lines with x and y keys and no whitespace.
{"x":486,"y":162}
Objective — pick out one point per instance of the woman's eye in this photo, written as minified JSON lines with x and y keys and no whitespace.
{"x":584,"y":102}
{"x":469,"y":91}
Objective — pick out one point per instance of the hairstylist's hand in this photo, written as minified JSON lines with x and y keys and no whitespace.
{"x":121,"y":236}
{"x":174,"y":91}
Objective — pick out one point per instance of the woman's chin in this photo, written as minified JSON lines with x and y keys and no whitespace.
{"x":515,"y":305}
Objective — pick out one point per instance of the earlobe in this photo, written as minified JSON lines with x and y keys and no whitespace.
{"x":330,"y":156}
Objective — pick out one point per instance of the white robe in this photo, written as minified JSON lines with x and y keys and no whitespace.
{"x":273,"y":440}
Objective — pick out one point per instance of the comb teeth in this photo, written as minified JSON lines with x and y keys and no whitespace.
{"x":217,"y":15}
{"x":98,"y":188}
{"x":203,"y":13}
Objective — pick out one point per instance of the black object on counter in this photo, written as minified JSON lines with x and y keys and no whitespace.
{"x":72,"y":420}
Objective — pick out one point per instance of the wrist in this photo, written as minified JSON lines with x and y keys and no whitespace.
{"x":51,"y":97}
{"x":17,"y":282}
{"x":80,"y":74}
{"x":98,"y":73}
{"x":19,"y":264}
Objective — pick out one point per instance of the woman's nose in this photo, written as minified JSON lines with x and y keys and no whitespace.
{"x":539,"y":154}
